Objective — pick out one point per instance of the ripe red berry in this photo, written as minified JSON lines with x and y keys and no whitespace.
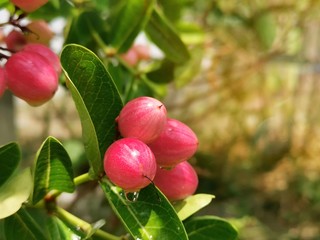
{"x":130,"y":164}
{"x":31,"y":77}
{"x":176,"y":143}
{"x":143,"y":118}
{"x":178,"y":182}
{"x":30,"y":5}
{"x":40,"y":32}
{"x":46,"y":53}
{"x":15,"y":40}
{"x":3,"y":81}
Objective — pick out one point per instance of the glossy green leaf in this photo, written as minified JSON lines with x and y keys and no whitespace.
{"x":190,"y":205}
{"x":15,"y":191}
{"x":97,"y":100}
{"x":9,"y":160}
{"x":129,"y":22}
{"x":149,"y":216}
{"x":58,"y":230}
{"x":22,"y":226}
{"x":53,"y":170}
{"x":166,"y":38}
{"x":210,"y":228}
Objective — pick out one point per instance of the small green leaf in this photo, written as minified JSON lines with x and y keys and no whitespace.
{"x":22,"y":226}
{"x":210,"y":228}
{"x":190,"y":205}
{"x":15,"y":191}
{"x":97,"y":100}
{"x":129,"y":22}
{"x":166,"y":38}
{"x":53,"y":170}
{"x":150,"y":216}
{"x":9,"y":160}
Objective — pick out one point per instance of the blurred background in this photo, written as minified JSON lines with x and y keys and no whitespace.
{"x":250,"y":91}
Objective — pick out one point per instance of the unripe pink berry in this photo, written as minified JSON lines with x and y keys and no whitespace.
{"x":31,"y":77}
{"x":15,"y":40}
{"x":130,"y":164}
{"x":142,"y":51}
{"x":176,"y":143}
{"x":143,"y":118}
{"x":29,"y":5}
{"x":47,"y":53}
{"x":177,"y":183}
{"x":130,"y":57}
{"x":3,"y":81}
{"x":40,"y":32}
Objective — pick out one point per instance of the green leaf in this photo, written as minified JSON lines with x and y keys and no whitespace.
{"x":190,"y":205}
{"x":9,"y":160}
{"x":210,"y":228}
{"x":58,"y":230}
{"x":166,"y":38}
{"x":164,"y":73}
{"x":53,"y":170}
{"x":97,"y":100}
{"x":23,"y":227}
{"x":129,"y":22}
{"x":15,"y":191}
{"x":150,"y":216}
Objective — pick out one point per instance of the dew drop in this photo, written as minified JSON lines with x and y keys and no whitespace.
{"x":132,"y":196}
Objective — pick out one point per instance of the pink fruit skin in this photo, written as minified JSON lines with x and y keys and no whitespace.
{"x":15,"y":40}
{"x":40,"y":32}
{"x":130,"y":164}
{"x":178,"y":182}
{"x":45,"y":52}
{"x":143,"y":118}
{"x":31,"y":77}
{"x":130,"y":57}
{"x":29,"y":5}
{"x":176,"y":143}
{"x":142,"y":51}
{"x":3,"y":82}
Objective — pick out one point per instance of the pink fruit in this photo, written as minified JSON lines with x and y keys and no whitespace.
{"x":29,"y":5}
{"x":45,"y":52}
{"x":130,"y":164}
{"x":40,"y":32}
{"x":178,"y":182}
{"x":143,"y":118}
{"x":3,"y":82}
{"x":31,"y":77}
{"x":15,"y":40}
{"x":176,"y":143}
{"x":130,"y":57}
{"x":142,"y":51}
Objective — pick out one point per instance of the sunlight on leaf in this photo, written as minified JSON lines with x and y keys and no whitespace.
{"x":14,"y":192}
{"x":186,"y":207}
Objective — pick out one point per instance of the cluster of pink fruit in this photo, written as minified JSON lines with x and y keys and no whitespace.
{"x":31,"y":71}
{"x":154,"y":148}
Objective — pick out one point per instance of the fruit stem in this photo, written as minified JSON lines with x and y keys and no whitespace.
{"x":83,"y":178}
{"x":84,"y":226}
